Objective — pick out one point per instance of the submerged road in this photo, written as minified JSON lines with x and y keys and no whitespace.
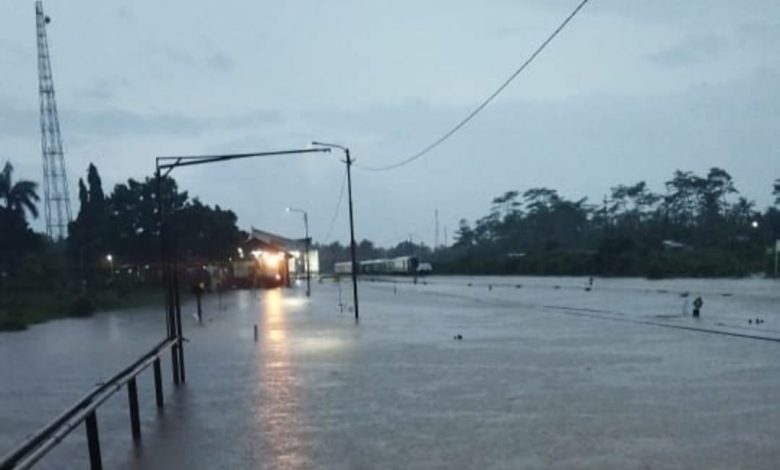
{"x":541,"y":379}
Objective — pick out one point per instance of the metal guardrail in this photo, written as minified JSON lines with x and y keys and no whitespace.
{"x":26,"y":454}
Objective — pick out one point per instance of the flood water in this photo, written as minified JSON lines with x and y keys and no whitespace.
{"x":548,"y":375}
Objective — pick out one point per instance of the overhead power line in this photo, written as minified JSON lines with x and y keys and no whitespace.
{"x":482,"y":105}
{"x":336,"y":212}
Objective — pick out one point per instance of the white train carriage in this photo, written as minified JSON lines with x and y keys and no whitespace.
{"x":399,"y":265}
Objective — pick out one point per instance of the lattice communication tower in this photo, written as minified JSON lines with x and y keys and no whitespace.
{"x":55,"y":180}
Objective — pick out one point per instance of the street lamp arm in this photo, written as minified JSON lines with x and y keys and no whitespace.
{"x":202,"y":159}
{"x":327,"y":145}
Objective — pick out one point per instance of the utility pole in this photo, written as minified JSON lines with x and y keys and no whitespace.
{"x":411,"y":254}
{"x":308,"y":263}
{"x":306,"y":242}
{"x":352,"y":234}
{"x":445,"y":236}
{"x":349,"y":161}
{"x":436,"y":237}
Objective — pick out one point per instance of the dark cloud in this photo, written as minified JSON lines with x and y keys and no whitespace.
{"x":632,"y":90}
{"x":217,"y":61}
{"x":675,"y":12}
{"x":761,"y":34}
{"x":117,"y":122}
{"x":16,"y":121}
{"x":124,"y":13}
{"x":114,"y":122}
{"x":580,"y":146}
{"x":250,"y":119}
{"x":692,"y":50}
{"x":177,"y":57}
{"x":220,"y":62}
{"x":99,"y":91}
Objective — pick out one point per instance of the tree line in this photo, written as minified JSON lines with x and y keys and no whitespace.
{"x":112,"y":248}
{"x":700,"y":226}
{"x":126,"y":224}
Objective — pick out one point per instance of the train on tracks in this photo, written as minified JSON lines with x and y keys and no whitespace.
{"x":400,"y":265}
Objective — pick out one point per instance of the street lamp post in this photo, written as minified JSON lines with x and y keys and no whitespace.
{"x":164,"y":166}
{"x":306,"y":258}
{"x":349,"y":162}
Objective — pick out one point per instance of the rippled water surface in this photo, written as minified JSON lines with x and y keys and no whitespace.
{"x":548,"y":374}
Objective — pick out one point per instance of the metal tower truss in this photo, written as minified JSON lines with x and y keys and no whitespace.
{"x":55,"y":180}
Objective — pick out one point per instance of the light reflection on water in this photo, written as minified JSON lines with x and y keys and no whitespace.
{"x":278,"y":410}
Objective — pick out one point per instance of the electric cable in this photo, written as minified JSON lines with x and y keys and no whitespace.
{"x":482,"y":105}
{"x":336,"y":212}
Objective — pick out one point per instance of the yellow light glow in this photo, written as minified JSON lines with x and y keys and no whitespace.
{"x":277,"y":335}
{"x":272,"y":258}
{"x":275,"y":324}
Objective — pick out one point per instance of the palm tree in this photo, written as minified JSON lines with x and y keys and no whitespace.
{"x":19,"y":196}
{"x":776,"y":192}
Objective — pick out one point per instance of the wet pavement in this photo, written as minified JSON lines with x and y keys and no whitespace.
{"x":548,"y":375}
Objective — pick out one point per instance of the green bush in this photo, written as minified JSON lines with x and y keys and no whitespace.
{"x":81,"y":306}
{"x":9,"y":322}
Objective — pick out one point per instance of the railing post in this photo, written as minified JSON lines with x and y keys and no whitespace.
{"x":132,"y":398}
{"x":158,"y":390}
{"x":174,"y":329}
{"x":95,"y":462}
{"x":179,"y":335}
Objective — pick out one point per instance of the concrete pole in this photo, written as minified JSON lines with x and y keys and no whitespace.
{"x":352,"y":235}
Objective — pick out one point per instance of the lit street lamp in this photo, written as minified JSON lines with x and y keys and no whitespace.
{"x":306,"y":258}
{"x":110,"y":260}
{"x":348,"y":162}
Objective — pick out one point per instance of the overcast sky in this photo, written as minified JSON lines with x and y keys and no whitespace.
{"x":631,"y":90}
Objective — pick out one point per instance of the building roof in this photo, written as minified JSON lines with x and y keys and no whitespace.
{"x":278,"y":241}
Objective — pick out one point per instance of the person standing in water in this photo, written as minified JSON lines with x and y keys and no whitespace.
{"x":697,"y":304}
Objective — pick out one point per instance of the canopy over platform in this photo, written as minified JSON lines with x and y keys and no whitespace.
{"x":277,"y":241}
